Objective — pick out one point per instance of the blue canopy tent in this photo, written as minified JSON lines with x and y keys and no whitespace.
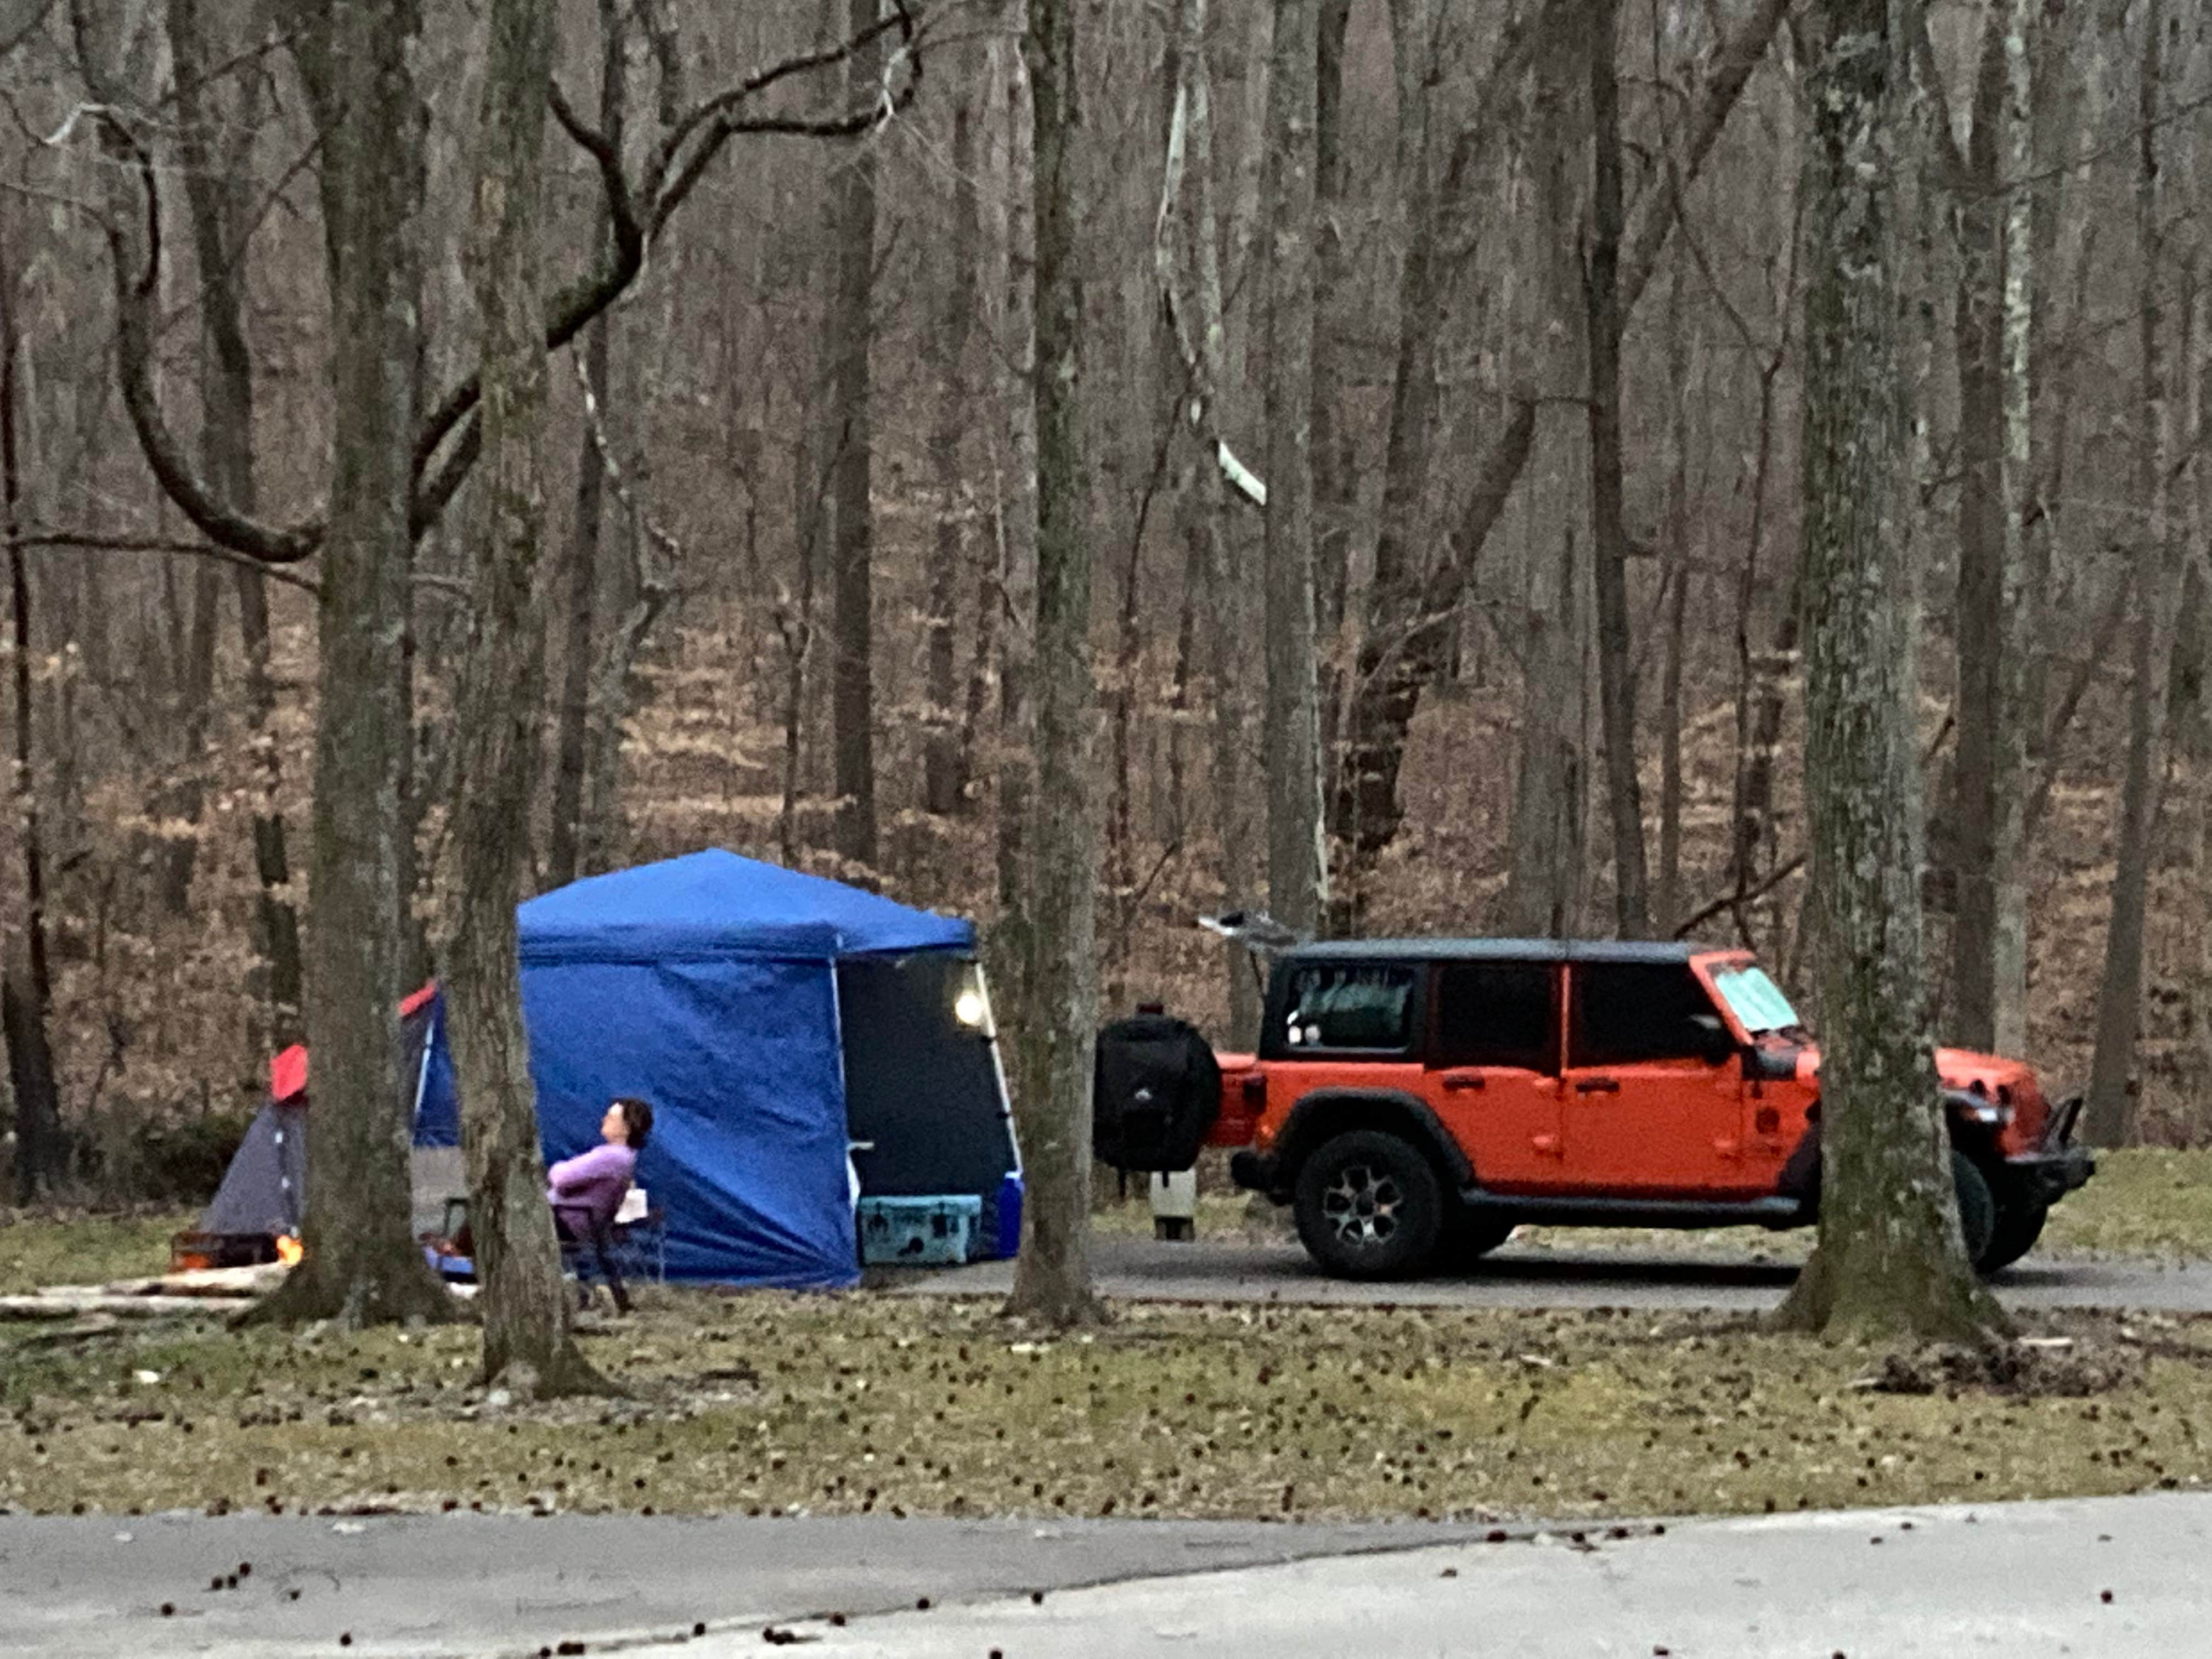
{"x":725,"y":991}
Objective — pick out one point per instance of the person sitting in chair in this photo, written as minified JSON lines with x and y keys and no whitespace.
{"x":586,"y":1191}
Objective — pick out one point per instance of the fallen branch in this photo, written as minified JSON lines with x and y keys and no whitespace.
{"x":52,"y":1305}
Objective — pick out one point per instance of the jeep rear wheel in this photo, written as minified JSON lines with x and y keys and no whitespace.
{"x":1977,"y":1207}
{"x":1369,"y":1206}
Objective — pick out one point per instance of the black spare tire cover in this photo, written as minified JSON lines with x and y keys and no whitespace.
{"x":1157,"y":1092}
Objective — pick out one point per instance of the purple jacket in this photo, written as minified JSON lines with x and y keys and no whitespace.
{"x":593,"y":1180}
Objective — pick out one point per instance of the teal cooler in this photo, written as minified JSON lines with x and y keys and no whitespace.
{"x":920,"y":1231}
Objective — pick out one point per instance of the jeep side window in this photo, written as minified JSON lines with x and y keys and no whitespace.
{"x":1362,"y":1006}
{"x":1626,"y":1011}
{"x":1497,"y":1014}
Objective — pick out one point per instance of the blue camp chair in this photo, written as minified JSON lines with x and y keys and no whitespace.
{"x":618,"y":1251}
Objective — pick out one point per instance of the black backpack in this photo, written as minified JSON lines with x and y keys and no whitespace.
{"x":1157,"y":1092}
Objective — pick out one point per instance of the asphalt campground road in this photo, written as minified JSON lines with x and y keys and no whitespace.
{"x":2083,"y":1578}
{"x":1144,"y":1270}
{"x":257,"y":1586}
{"x":2095,"y":1578}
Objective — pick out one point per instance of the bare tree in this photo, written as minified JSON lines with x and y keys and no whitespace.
{"x":572,"y":729}
{"x":944,"y":783}
{"x":851,"y":330}
{"x":1609,"y":537}
{"x":1989,"y":939}
{"x":527,"y":1344}
{"x":1052,"y":1280}
{"x":2110,"y":1119}
{"x":1297,"y":871}
{"x":1188,"y":253}
{"x":26,"y":982}
{"x":1889,"y":1257}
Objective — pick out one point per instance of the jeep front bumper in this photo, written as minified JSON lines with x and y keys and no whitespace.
{"x":2055,"y":1167}
{"x":2048,"y":1177}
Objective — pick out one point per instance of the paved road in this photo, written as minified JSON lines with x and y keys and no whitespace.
{"x":486,"y":1585}
{"x":1518,"y":1277}
{"x":2022,"y":1580}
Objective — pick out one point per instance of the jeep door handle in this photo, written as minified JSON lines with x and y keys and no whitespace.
{"x":1455,"y":1082}
{"x":1597,"y":1086}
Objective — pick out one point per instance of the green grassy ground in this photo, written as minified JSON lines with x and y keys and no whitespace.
{"x":867,"y":1403}
{"x":2144,"y":1201}
{"x":38,"y":1248}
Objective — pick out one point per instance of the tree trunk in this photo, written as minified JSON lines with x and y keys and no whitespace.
{"x":1336,"y":458}
{"x":1983,"y":831}
{"x":572,"y":740}
{"x":1052,"y":1279}
{"x":362,"y":1264}
{"x":2023,"y":515}
{"x":1298,"y":873}
{"x":2110,"y":1119}
{"x":1889,"y":1259}
{"x":1544,"y":892}
{"x":528,"y":1343}
{"x":944,"y":780}
{"x":1608,"y":539}
{"x":25,"y":989}
{"x":1666,"y":899}
{"x":851,"y":330}
{"x":1013,"y":211}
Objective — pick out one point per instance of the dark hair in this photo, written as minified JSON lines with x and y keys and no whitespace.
{"x":639,"y":1116}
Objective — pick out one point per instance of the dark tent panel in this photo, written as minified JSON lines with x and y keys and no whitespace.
{"x":266,"y":1184}
{"x":921,"y":1086}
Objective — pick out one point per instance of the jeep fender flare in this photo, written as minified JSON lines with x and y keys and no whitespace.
{"x":1801,"y":1174}
{"x":1326,"y":1112}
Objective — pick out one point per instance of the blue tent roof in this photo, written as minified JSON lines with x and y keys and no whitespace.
{"x":714,"y":903}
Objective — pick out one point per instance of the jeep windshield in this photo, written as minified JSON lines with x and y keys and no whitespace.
{"x":1755,"y":999}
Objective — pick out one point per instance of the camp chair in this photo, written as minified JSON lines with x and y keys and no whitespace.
{"x":632,"y":1243}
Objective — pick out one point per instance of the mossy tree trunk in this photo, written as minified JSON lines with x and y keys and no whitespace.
{"x":1889,"y":1260}
{"x":362,"y":1266}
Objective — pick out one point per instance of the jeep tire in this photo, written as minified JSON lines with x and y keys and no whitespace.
{"x":1977,"y":1207}
{"x":2019,"y":1223}
{"x":1369,"y":1206}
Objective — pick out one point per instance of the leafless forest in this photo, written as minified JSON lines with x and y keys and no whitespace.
{"x":1496,"y":303}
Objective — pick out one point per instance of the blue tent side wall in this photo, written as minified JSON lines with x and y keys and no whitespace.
{"x":739,"y":1057}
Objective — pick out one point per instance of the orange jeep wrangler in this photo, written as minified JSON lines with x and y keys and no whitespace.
{"x":1417,"y":1099}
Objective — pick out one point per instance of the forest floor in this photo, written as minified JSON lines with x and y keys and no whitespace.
{"x":873,"y":1404}
{"x":867,"y":1403}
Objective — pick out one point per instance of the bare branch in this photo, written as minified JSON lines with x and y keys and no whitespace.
{"x":582,"y":300}
{"x":699,"y":134}
{"x":1653,"y":217}
{"x":90,"y":542}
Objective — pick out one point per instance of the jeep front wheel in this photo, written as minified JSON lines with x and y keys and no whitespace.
{"x":1978,"y":1205}
{"x":1370,"y":1207}
{"x":2019,"y":1223}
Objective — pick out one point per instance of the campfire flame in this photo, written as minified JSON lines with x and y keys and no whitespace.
{"x":289,"y":1251}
